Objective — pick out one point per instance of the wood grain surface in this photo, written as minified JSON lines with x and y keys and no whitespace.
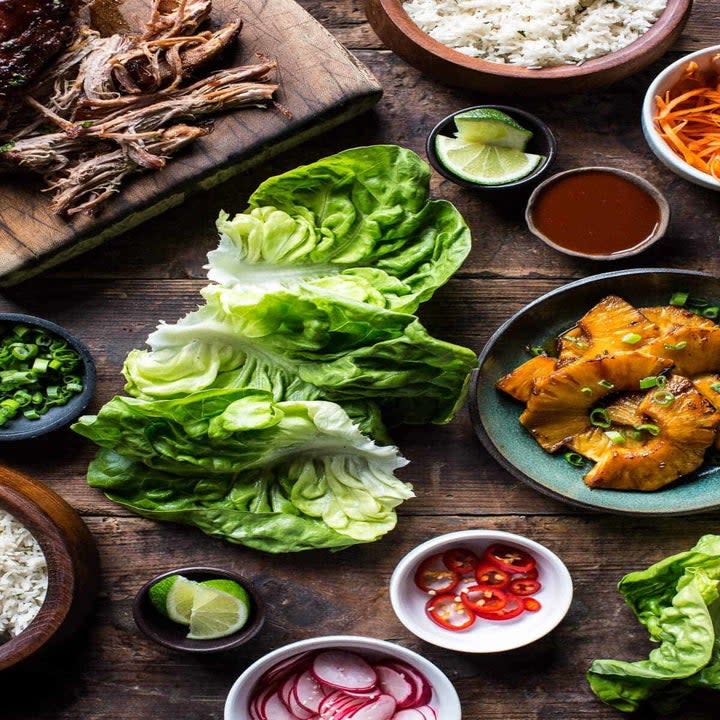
{"x":321,"y":84}
{"x":114,"y":295}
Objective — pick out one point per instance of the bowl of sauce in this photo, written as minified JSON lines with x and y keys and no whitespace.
{"x":600,"y":213}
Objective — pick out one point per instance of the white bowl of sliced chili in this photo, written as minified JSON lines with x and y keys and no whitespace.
{"x":680,"y":117}
{"x":481,"y":591}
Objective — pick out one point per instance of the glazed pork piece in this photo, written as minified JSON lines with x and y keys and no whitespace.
{"x":32,"y":32}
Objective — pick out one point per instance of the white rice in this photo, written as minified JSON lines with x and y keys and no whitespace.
{"x":535,"y":33}
{"x":23,"y":576}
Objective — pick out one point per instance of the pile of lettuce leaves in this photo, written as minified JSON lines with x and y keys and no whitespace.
{"x":261,"y":417}
{"x":678,"y":601}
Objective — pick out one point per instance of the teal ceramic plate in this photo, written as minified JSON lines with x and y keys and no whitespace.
{"x":495,"y":416}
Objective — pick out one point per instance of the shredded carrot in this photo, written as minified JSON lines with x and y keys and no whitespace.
{"x":688,"y":118}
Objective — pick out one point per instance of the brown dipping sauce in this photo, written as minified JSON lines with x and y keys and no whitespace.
{"x":595,"y":212}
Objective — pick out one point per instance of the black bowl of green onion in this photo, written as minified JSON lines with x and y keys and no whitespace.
{"x":47,"y":377}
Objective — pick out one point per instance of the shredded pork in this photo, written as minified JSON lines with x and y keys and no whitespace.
{"x":110,"y":107}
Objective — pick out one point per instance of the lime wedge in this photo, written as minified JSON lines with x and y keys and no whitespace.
{"x":216,"y":614}
{"x":491,"y":127}
{"x":484,"y":164}
{"x":172,"y":596}
{"x":179,"y":600}
{"x":230,"y":587}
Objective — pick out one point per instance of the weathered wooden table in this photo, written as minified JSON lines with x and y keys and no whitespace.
{"x":115,"y":295}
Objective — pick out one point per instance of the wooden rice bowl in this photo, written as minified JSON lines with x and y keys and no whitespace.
{"x":406,"y":39}
{"x":72,"y":562}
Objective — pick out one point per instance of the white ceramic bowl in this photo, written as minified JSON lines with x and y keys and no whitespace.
{"x":484,"y":636}
{"x":444,"y":700}
{"x":668,"y":77}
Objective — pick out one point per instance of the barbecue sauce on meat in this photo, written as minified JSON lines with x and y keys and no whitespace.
{"x":31,"y":33}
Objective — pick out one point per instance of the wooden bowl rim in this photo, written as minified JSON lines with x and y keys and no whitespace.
{"x":672,"y":15}
{"x":646,"y":185}
{"x":152,"y":624}
{"x":61,"y":572}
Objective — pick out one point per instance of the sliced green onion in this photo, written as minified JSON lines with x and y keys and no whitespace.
{"x":711,"y":312}
{"x":575,"y":459}
{"x":653,"y":381}
{"x":615,"y":437}
{"x":663,"y":397}
{"x":606,"y":384}
{"x":537,"y":350}
{"x":676,"y":346}
{"x":715,"y":387}
{"x":631,"y":338}
{"x":679,"y":299}
{"x":651,"y":428}
{"x":40,"y":365}
{"x":599,"y":417}
{"x":586,"y":390}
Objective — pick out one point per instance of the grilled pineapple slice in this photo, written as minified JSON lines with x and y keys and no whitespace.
{"x":688,"y":425}
{"x":608,"y":327}
{"x":690,"y":341}
{"x":624,"y":410}
{"x":705,"y":385}
{"x":558,"y":406}
{"x":519,"y":382}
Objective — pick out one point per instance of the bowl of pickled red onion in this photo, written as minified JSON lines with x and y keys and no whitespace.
{"x":344,"y":677}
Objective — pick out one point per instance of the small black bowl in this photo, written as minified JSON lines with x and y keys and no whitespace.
{"x":172,"y":635}
{"x":542,"y":143}
{"x":59,"y":416}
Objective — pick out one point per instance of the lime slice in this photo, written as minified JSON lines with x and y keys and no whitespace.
{"x":173,"y":597}
{"x":484,"y":164}
{"x":216,"y":614}
{"x":230,"y":587}
{"x":180,"y":599}
{"x":491,"y":127}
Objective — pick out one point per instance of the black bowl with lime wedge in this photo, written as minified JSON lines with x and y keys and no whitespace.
{"x":157,"y":626}
{"x":492,"y":148}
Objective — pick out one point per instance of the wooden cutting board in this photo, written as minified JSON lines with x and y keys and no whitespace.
{"x":321,"y":84}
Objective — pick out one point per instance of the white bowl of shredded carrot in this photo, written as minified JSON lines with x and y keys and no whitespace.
{"x":681,"y":117}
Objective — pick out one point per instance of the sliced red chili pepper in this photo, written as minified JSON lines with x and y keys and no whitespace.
{"x":531,"y":604}
{"x":460,"y":560}
{"x":484,"y":598}
{"x":529,"y":575}
{"x":449,"y":612}
{"x":514,"y":606}
{"x":488,"y":574}
{"x":508,"y":558}
{"x":434,"y":577}
{"x":524,"y":586}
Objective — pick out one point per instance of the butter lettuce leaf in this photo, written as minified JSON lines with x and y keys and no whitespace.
{"x":218,"y":456}
{"x":305,"y":345}
{"x":687,"y":643}
{"x":358,"y":223}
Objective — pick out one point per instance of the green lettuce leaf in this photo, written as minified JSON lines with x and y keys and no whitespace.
{"x":686,"y":630}
{"x":305,"y":345}
{"x":216,"y":456}
{"x":358,"y":224}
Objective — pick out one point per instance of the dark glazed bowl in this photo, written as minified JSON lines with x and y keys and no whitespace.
{"x":72,"y":562}
{"x":495,"y":415}
{"x":172,"y":635}
{"x":401,"y":35}
{"x":542,"y":143}
{"x":20,"y":428}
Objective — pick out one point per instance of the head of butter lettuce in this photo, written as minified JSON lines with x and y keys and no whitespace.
{"x":678,"y":601}
{"x":257,"y":417}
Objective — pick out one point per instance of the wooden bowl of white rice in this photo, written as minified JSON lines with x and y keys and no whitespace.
{"x":48,"y":568}
{"x":534,"y":48}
